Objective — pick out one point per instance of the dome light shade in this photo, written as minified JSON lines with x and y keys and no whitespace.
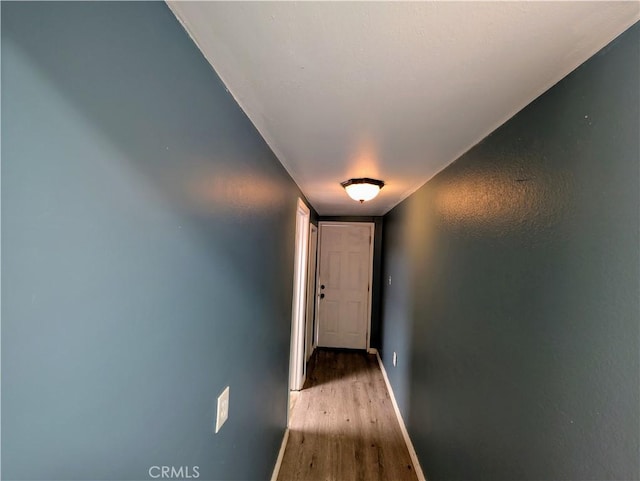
{"x":362,"y":189}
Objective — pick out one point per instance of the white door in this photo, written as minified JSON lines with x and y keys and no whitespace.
{"x":311,"y":289}
{"x":344,"y":284}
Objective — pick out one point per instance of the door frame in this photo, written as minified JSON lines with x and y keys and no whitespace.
{"x":312,"y":300}
{"x":372,"y":227}
{"x":296,"y":358}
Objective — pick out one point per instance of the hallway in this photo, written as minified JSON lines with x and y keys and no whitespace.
{"x":153,"y":287}
{"x":343,"y":426}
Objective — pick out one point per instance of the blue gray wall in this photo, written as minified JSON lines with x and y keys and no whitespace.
{"x":147,"y":253}
{"x":514,"y":302}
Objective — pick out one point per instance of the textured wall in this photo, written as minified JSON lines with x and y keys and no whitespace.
{"x":514,"y":302}
{"x":147,"y":253}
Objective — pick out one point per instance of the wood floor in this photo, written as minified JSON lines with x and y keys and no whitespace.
{"x":343,"y":426}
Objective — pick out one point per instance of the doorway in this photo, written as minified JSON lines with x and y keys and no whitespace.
{"x":344,"y":284}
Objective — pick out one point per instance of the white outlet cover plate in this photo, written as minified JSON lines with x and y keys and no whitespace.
{"x":222,"y":413}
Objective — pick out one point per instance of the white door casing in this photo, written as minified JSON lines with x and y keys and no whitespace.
{"x":296,"y":358}
{"x":344,"y":284}
{"x":311,"y":289}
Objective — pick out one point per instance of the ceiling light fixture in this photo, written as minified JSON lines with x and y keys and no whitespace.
{"x":362,"y":189}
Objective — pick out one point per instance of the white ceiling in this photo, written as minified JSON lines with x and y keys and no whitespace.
{"x":390,"y":90}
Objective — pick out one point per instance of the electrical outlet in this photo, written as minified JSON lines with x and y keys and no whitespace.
{"x":223,"y":408}
{"x":395,"y":359}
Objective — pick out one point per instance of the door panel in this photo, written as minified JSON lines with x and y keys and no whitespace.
{"x":333,"y":274}
{"x":331,"y":315}
{"x":353,"y":276}
{"x":344,"y":271}
{"x":353,"y":317}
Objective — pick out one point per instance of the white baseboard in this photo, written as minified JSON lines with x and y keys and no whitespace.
{"x":372,"y":350}
{"x":283,"y":446}
{"x":403,"y":428}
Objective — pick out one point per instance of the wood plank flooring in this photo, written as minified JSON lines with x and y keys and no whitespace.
{"x":343,"y":426}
